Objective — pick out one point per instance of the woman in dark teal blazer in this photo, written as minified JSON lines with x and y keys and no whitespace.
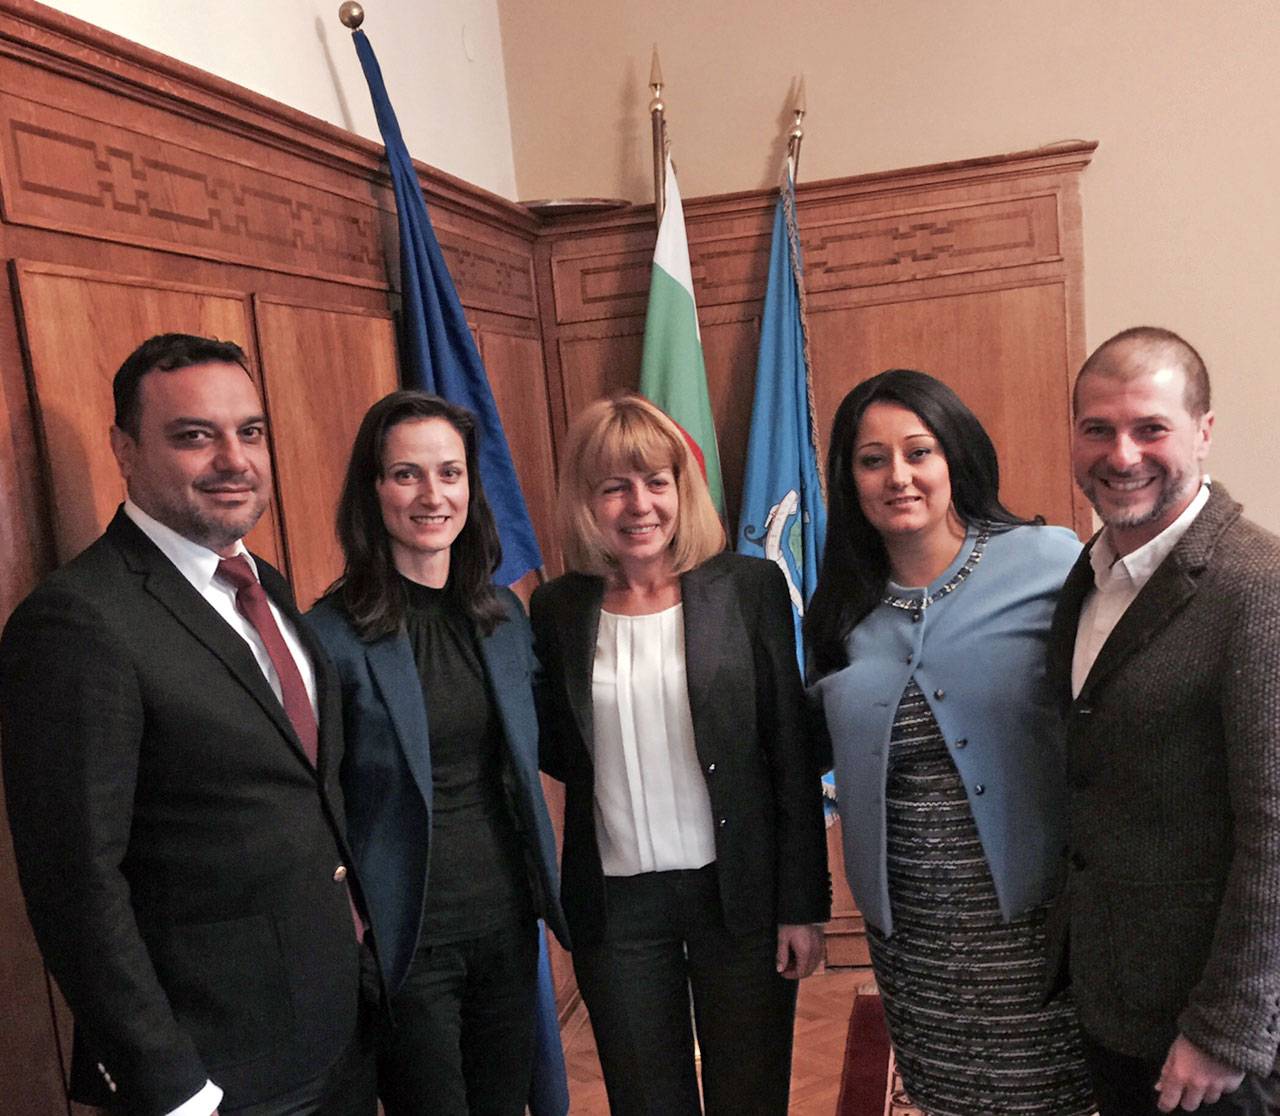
{"x":444,"y":803}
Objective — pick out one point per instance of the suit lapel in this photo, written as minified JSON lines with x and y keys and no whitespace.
{"x":161,"y":580}
{"x":702,"y":591}
{"x":396,"y":675}
{"x":579,"y":629}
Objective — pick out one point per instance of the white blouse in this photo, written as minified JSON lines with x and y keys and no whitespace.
{"x":652,"y":810}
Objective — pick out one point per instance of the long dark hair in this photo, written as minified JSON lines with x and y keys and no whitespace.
{"x":370,"y":588}
{"x":855,"y":563}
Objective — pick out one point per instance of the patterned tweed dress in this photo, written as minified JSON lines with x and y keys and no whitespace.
{"x":960,"y":986}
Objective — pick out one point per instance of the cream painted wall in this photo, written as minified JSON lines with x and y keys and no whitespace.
{"x":1181,"y":203}
{"x":442,"y":63}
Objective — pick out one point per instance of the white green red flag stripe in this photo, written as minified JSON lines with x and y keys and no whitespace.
{"x":672,"y":373}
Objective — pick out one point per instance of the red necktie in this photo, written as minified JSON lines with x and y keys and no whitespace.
{"x":251,"y":600}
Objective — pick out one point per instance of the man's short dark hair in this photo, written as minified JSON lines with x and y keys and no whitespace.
{"x":166,"y":352}
{"x":1155,"y":342}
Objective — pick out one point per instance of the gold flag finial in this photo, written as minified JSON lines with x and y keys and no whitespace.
{"x":796,"y":136}
{"x":351,"y":14}
{"x":655,"y":71}
{"x":658,"y":114}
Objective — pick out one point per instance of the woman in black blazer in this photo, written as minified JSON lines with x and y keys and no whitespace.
{"x":672,"y":709}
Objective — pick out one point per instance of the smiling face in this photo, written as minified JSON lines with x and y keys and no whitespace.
{"x":424,"y":493}
{"x":636,"y":512}
{"x":901,"y":475}
{"x":1136,"y":450}
{"x":200,"y":463}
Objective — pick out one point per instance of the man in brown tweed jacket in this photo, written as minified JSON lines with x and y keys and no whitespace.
{"x":1165,"y":651}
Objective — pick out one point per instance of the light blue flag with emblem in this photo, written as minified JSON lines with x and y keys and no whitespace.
{"x":783,"y":515}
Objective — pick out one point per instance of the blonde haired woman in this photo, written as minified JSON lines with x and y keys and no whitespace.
{"x":671,"y":705}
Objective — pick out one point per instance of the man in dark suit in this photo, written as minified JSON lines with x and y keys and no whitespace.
{"x":171,"y":745}
{"x":1165,"y":650}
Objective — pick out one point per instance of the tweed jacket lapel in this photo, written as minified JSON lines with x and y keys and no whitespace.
{"x":160,"y":579}
{"x":1171,"y":586}
{"x":1066,"y":619}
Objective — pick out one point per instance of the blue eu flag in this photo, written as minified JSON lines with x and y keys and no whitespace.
{"x":440,"y":353}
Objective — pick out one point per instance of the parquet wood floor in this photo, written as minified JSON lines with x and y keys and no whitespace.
{"x":822,"y":1018}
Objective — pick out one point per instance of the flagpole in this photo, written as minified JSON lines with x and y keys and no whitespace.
{"x":796,"y":136}
{"x":657,"y":112}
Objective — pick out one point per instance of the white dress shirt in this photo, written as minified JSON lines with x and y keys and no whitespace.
{"x":198,"y":564}
{"x":652,"y":810}
{"x":1117,"y":582}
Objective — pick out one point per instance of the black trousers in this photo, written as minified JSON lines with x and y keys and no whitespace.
{"x":1126,"y":1086}
{"x":459,"y":1041}
{"x":665,"y":939}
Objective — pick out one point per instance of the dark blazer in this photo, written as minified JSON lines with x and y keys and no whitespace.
{"x":386,"y":773}
{"x":752,"y":728}
{"x":178,"y":852}
{"x":1173,"y":890}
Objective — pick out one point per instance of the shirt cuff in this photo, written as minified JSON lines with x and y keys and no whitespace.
{"x":202,"y":1104}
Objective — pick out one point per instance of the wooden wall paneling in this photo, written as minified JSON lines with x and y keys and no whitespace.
{"x":513,"y":359}
{"x":974,"y":271}
{"x":31,"y":1072}
{"x":970,"y":270}
{"x":593,"y":288}
{"x":79,"y":326}
{"x":26,"y":541}
{"x":730,"y":344}
{"x":987,"y":345}
{"x":599,"y":363}
{"x":323,"y":367}
{"x":846,"y":932}
{"x":140,"y":175}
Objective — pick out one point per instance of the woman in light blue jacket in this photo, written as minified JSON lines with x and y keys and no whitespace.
{"x":927,"y":634}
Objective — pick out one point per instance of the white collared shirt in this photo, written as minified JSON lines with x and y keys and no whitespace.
{"x":198,"y":564}
{"x":1117,"y":582}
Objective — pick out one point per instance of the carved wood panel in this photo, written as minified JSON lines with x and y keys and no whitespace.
{"x":322,"y":369}
{"x":72,"y":172}
{"x":993,"y":348}
{"x":514,"y":364}
{"x":79,"y":327}
{"x":599,"y":365}
{"x":969,"y":271}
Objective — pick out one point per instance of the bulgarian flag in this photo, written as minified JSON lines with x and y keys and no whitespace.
{"x":672,"y":373}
